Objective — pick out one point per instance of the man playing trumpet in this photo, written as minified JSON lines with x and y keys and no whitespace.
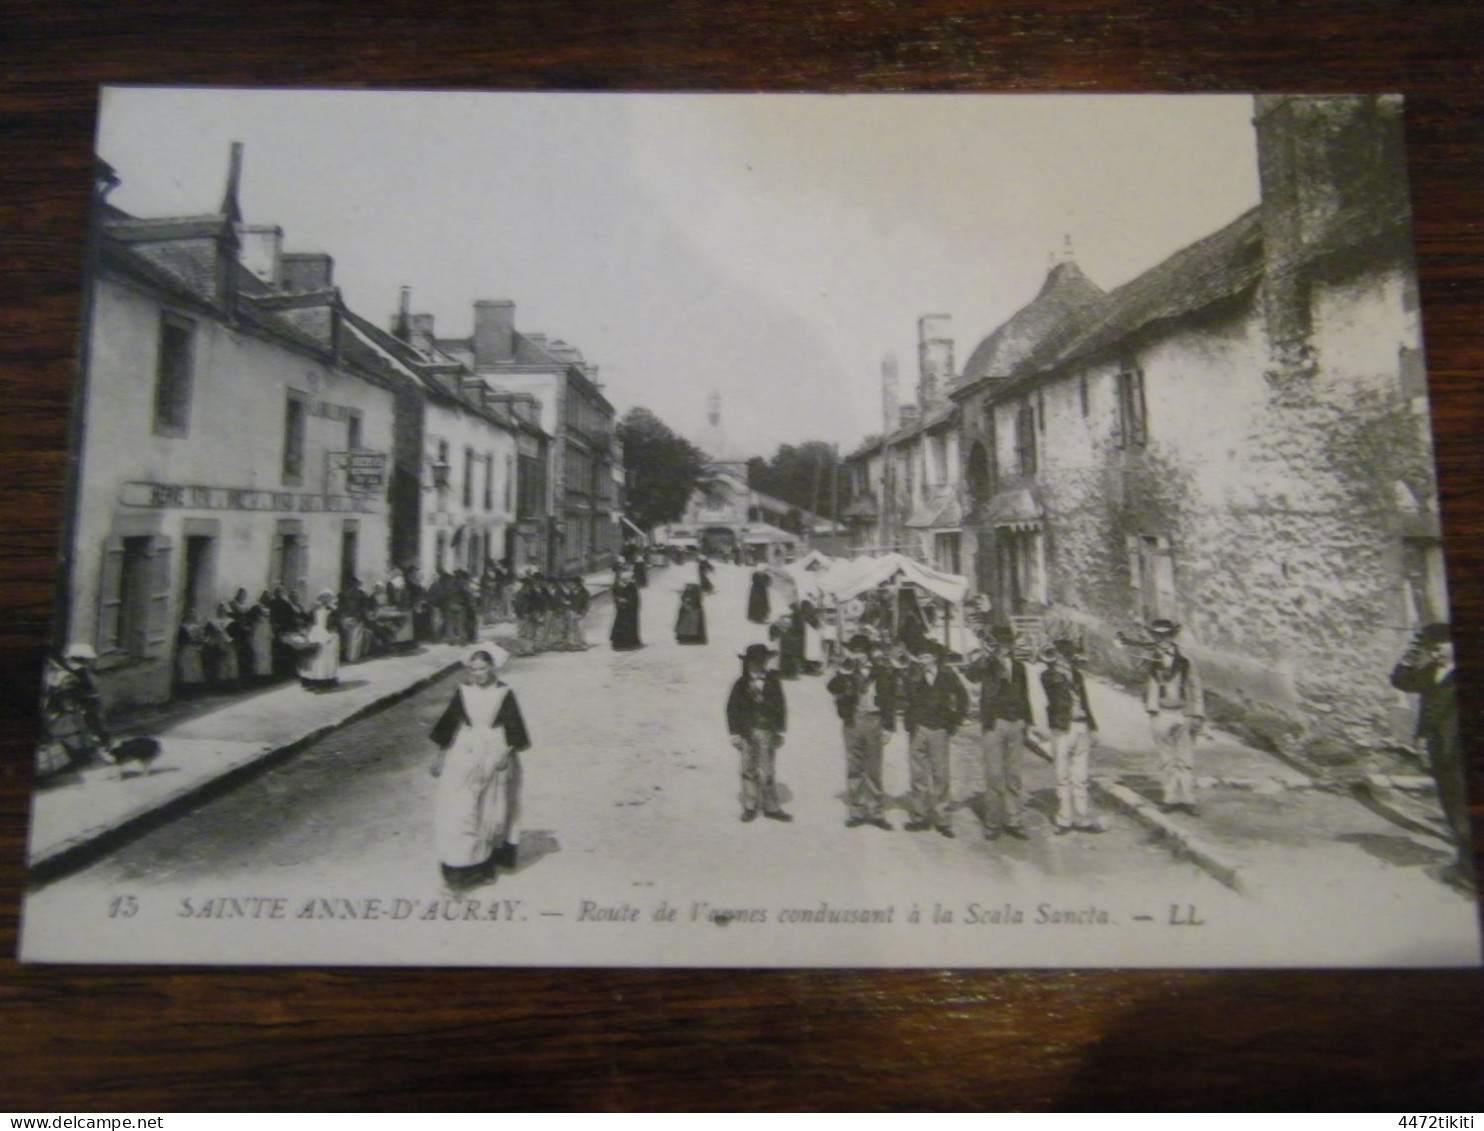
{"x":1427,"y":671}
{"x":1176,"y":704}
{"x":865,"y":698}
{"x":1004,"y":715}
{"x":1069,"y":718}
{"x":935,"y":705}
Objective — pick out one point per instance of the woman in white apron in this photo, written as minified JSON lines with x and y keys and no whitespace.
{"x":319,"y":668}
{"x":479,"y":739}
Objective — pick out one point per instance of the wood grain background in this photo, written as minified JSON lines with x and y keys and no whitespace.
{"x":179,"y":1039}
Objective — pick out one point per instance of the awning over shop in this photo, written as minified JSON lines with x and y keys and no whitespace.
{"x":1016,"y":509}
{"x":762,"y":534}
{"x":942,"y":512}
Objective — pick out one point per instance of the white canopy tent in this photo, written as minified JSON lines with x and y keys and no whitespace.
{"x":807,"y":573}
{"x":847,"y":580}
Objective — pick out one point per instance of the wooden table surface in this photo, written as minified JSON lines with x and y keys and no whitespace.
{"x":178,"y":1039}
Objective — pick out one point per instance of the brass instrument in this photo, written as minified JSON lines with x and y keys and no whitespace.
{"x":1144,"y":648}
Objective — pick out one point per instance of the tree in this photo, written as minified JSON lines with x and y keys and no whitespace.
{"x":803,"y":475}
{"x":663,"y":469}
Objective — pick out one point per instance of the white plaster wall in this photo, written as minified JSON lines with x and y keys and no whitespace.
{"x":234,"y":439}
{"x":444,"y":510}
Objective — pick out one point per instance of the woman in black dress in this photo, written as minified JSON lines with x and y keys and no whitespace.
{"x":690,"y":625}
{"x":625,"y":634}
{"x":758,"y":609}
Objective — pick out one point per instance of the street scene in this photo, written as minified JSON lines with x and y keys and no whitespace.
{"x":1113,"y":634}
{"x":622,"y":792}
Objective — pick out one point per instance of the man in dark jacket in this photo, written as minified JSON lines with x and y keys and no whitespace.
{"x":865,"y":698}
{"x":1004,"y":715}
{"x":1069,"y":717}
{"x":1427,"y":671}
{"x":756,"y":719}
{"x":935,"y":706}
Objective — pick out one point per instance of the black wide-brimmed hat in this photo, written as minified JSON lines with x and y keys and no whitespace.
{"x":860,"y":642}
{"x":757,"y":652}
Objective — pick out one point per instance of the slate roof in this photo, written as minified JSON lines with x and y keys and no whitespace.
{"x":434,"y":376}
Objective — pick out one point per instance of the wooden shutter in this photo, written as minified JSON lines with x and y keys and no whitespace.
{"x":157,"y":632}
{"x":301,"y":578}
{"x":1133,"y":544}
{"x":1164,"y":577}
{"x":110,"y":598}
{"x":1141,"y":411}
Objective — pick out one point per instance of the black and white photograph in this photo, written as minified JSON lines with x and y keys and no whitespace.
{"x":741,"y":530}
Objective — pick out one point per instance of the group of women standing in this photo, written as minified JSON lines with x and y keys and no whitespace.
{"x":276,"y":637}
{"x":549,"y":611}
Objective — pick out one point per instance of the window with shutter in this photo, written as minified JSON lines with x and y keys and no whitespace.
{"x":1131,"y":427}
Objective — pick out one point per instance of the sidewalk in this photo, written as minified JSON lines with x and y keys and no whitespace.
{"x":1251,"y":801}
{"x":208,"y":743}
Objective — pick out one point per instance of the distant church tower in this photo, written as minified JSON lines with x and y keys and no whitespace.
{"x":721,"y":454}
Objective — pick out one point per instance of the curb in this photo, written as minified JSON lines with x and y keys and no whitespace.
{"x":84,"y":848}
{"x":1391,"y":798}
{"x":1183,"y":844}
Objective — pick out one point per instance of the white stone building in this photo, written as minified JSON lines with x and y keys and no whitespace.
{"x":226,"y":441}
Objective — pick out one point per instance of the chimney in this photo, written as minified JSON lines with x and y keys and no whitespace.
{"x":891,"y":402}
{"x":934,"y":362}
{"x":308,"y":271}
{"x":228,"y":250}
{"x":231,"y":209}
{"x":262,"y":251}
{"x":494,"y":331}
{"x":420,"y":332}
{"x":401,"y":325}
{"x":474,"y":388}
{"x":1319,"y":158}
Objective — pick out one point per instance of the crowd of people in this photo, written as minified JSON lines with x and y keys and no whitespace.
{"x":244,"y":642}
{"x":277,"y":637}
{"x":893,"y":672}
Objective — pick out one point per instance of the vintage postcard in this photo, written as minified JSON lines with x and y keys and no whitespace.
{"x":670,"y":530}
